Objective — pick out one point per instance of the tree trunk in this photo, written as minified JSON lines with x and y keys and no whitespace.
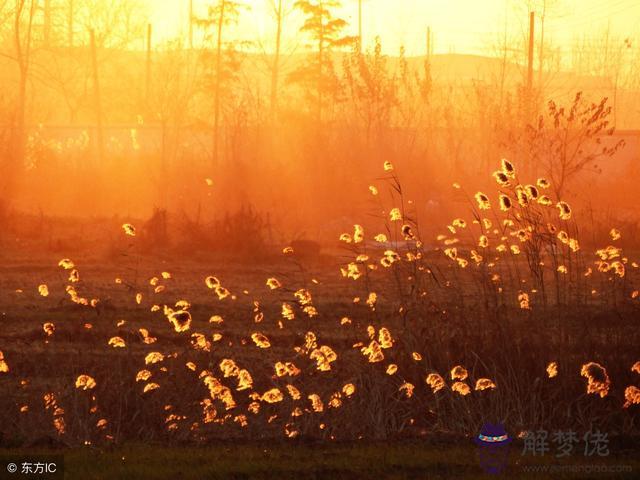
{"x":216,"y":117}
{"x":23,"y":53}
{"x":275,"y":70}
{"x":541,"y":49}
{"x":320,"y":61}
{"x":96,"y":97}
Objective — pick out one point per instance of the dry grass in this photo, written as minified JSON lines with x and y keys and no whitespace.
{"x":502,"y":313}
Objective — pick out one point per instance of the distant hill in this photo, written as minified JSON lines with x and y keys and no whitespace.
{"x":123,"y":79}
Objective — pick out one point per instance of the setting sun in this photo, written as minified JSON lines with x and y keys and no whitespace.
{"x":457,"y":26}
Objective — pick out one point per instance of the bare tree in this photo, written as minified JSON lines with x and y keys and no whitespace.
{"x":22,"y":42}
{"x":220,"y":15}
{"x":173,"y":94}
{"x":116,"y":25}
{"x":568,"y":142}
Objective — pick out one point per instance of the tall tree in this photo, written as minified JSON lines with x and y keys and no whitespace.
{"x":327,"y":32}
{"x":273,"y":50}
{"x":220,"y":15}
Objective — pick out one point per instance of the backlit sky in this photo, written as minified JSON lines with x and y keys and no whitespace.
{"x":460,"y":26}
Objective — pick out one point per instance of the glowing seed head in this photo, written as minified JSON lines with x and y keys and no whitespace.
{"x":85,"y":382}
{"x":505,"y":202}
{"x":150,"y":387}
{"x":461,"y":388}
{"x":117,"y":342}
{"x":272,"y":396}
{"x":384,"y":338}
{"x":323,"y":357}
{"x":501,"y":178}
{"x":532,"y":192}
{"x":395,"y":215}
{"x":543,"y":183}
{"x":631,"y":396}
{"x":615,"y":234}
{"x":66,"y":264}
{"x":287,"y":312}
{"x":544,"y":201}
{"x":181,"y":320}
{"x":4,"y":368}
{"x":523,"y":300}
{"x":407,"y":388}
{"x":507,"y":168}
{"x":485,"y":384}
{"x":564,"y":209}
{"x":260,"y":340}
{"x":373,"y":351}
{"x":129,"y":229}
{"x":483,"y":201}
{"x":349,"y":389}
{"x":153,"y":357}
{"x":459,"y":373}
{"x":358,"y":234}
{"x":293,"y":392}
{"x":407,"y":232}
{"x":597,"y":377}
{"x":316,"y":402}
{"x":143,"y":376}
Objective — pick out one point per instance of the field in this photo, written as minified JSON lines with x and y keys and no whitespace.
{"x":382,"y":346}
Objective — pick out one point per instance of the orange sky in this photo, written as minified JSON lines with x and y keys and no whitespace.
{"x":461,"y":26}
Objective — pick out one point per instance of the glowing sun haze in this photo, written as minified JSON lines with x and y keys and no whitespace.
{"x":458,"y":26}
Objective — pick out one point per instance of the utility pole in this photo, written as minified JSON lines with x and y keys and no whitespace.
{"x":218,"y":89}
{"x":275,"y":68}
{"x":528,"y":95}
{"x":96,"y":95}
{"x":429,"y":43}
{"x":191,"y":24}
{"x":23,"y":58}
{"x":359,"y":26}
{"x":541,"y":47}
{"x":70,"y":24}
{"x":148,"y":70}
{"x":530,"y":63}
{"x":47,"y":22}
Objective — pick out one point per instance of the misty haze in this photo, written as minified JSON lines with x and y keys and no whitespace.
{"x":319,"y":239}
